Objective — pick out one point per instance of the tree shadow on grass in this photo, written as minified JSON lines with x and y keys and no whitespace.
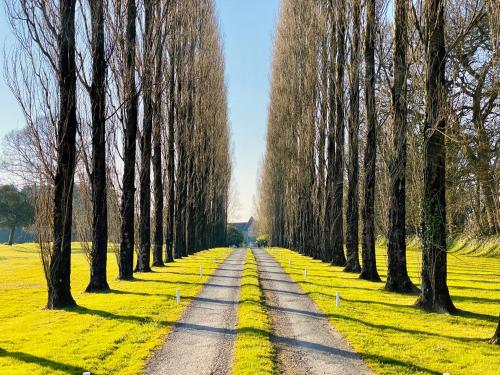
{"x":126,"y":292}
{"x":395,"y":362}
{"x":114,"y":316}
{"x":405,"y":330}
{"x":473,"y":315}
{"x":169,"y":282}
{"x":44,"y":362}
{"x":474,"y":299}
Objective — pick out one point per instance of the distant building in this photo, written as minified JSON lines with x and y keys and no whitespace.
{"x":247,"y":228}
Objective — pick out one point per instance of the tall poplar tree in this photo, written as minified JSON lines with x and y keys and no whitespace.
{"x":126,"y":258}
{"x":369,"y":266}
{"x":59,"y":288}
{"x":98,"y":255}
{"x":144,"y":255}
{"x":397,"y":273}
{"x":434,"y":288}
{"x":352,"y":211}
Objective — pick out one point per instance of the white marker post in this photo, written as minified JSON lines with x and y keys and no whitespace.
{"x":290,"y":262}
{"x":305,"y":273}
{"x":201,"y":271}
{"x":86,"y":373}
{"x":178,"y":296}
{"x":337,"y":299}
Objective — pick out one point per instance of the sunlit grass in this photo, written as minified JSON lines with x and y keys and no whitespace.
{"x":393,"y":336}
{"x":108,"y":333}
{"x":253,"y":352}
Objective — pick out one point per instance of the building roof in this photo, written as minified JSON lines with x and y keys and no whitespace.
{"x":243,"y":226}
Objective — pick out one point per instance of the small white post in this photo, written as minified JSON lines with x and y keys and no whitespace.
{"x":86,"y":373}
{"x":305,"y":273}
{"x":178,"y":296}
{"x":337,"y":299}
{"x":201,"y":271}
{"x":290,"y":262}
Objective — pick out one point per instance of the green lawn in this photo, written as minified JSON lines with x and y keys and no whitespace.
{"x":108,"y":333}
{"x":393,"y":336}
{"x":253,"y":351}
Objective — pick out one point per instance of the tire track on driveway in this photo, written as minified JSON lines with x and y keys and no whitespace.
{"x":202,"y":341}
{"x":305,"y":341}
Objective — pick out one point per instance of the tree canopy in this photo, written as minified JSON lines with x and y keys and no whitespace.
{"x":16,"y":209}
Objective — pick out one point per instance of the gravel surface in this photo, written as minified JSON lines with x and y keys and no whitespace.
{"x":305,"y":341}
{"x":202,"y":341}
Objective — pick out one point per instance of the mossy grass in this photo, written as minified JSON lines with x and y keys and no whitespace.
{"x":108,"y":333}
{"x":253,"y":351}
{"x":392,"y":335}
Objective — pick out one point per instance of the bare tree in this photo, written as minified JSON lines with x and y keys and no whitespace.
{"x":369,"y":265}
{"x":397,"y":274}
{"x":98,"y":263}
{"x":128,"y":185}
{"x":144,"y":254}
{"x":352,"y":214}
{"x":434,"y":290}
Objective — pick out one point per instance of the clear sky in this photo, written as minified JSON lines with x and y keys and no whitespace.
{"x":247,"y":28}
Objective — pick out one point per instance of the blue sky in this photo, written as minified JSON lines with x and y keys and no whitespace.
{"x":247,"y":28}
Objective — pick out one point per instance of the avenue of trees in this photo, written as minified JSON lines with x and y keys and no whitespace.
{"x":384,"y":120}
{"x":126,"y":144}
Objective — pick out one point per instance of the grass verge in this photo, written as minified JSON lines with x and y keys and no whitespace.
{"x":253,"y":351}
{"x":393,"y":336}
{"x":107,"y":333}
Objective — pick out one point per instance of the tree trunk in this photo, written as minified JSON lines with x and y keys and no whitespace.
{"x":59,"y":288}
{"x":126,"y":263}
{"x":157,"y":126}
{"x":435,"y":295}
{"x":12,"y":231}
{"x":369,"y":267}
{"x":352,"y":235}
{"x":338,"y":258}
{"x":171,"y":163}
{"x":180,"y":178}
{"x":496,"y":337}
{"x":330,"y":146}
{"x":98,"y":259}
{"x":144,"y":256}
{"x":397,"y":274}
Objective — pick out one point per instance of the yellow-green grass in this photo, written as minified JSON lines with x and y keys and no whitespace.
{"x":108,"y":333}
{"x":253,"y":351}
{"x":393,"y":336}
